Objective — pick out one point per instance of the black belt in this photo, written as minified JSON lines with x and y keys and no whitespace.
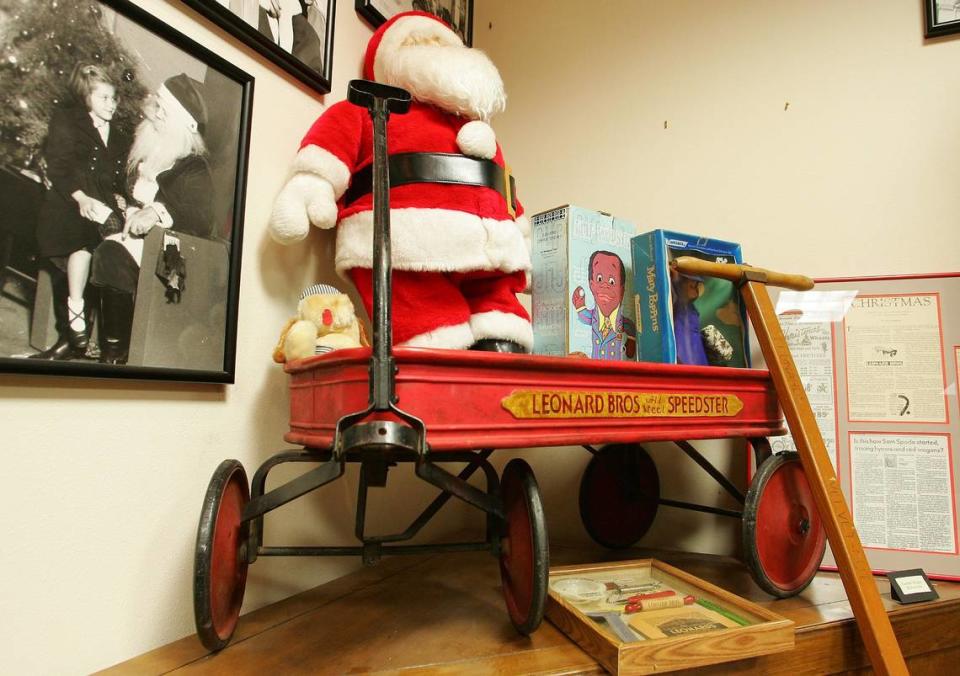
{"x":448,"y":168}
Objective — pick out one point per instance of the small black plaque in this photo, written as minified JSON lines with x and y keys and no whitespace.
{"x":911,"y":586}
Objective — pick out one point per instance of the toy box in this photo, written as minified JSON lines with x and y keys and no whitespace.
{"x":686,"y":319}
{"x":575,"y":311}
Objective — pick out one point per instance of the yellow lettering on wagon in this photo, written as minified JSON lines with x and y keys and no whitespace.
{"x":571,"y":404}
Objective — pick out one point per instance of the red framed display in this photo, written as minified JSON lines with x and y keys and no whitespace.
{"x":879,"y":358}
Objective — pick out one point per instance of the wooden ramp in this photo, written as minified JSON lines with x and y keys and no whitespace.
{"x":443,"y":614}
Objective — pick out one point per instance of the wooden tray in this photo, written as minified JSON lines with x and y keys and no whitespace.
{"x":751,"y":631}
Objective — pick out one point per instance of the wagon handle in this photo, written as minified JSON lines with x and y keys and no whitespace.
{"x":380,"y":100}
{"x":741,"y":273}
{"x":872,"y":620}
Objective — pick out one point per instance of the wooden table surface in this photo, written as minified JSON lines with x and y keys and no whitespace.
{"x":444,"y":614}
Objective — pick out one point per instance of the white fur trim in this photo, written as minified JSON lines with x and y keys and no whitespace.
{"x":440,"y":240}
{"x":477,"y":139}
{"x":166,"y":220}
{"x":503,"y":325}
{"x":430,"y":61}
{"x":523,"y":225}
{"x":456,"y":337}
{"x":316,"y":160}
{"x":407,"y":29}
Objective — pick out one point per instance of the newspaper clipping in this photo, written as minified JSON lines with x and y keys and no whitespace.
{"x":901,"y":491}
{"x":894,"y":359}
{"x":811,"y":345}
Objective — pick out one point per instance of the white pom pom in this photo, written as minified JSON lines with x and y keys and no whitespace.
{"x":477,"y":139}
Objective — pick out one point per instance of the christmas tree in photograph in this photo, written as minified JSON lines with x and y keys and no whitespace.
{"x":41,"y":42}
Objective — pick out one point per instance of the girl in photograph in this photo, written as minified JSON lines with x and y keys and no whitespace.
{"x":86,"y":158}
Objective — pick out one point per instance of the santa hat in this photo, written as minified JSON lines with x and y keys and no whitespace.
{"x":183,"y":93}
{"x":391,"y":35}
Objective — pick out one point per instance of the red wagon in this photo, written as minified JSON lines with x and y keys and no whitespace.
{"x":457,"y":407}
{"x":381,"y":406}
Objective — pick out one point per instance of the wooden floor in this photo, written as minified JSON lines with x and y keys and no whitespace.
{"x":443,"y":614}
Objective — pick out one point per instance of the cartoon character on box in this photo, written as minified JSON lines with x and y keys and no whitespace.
{"x":613,"y":335}
{"x":460,"y":241}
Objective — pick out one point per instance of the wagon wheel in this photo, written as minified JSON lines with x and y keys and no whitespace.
{"x":619,"y":495}
{"x":524,"y":554}
{"x":220,"y":563}
{"x":783,"y":536}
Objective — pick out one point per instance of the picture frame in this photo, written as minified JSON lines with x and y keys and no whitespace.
{"x":160,"y":296}
{"x":300,"y":43}
{"x":941,"y":18}
{"x":457,"y":13}
{"x":879,"y":358}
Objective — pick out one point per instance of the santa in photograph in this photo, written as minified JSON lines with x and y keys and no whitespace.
{"x":459,"y":237}
{"x":170,"y":187}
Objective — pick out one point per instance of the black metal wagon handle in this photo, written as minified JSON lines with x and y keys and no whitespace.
{"x":380,"y":100}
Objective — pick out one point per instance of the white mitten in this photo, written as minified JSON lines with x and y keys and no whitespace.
{"x":305,"y":199}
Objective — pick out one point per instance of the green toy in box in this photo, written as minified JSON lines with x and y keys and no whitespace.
{"x":687,"y":319}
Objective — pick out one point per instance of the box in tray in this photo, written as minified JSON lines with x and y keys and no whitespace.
{"x":644,"y":616}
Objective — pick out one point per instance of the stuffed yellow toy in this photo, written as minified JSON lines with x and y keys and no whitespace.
{"x":325,"y":321}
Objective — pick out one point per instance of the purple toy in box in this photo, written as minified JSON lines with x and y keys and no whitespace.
{"x":686,"y":319}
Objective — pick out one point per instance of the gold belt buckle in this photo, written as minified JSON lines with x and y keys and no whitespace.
{"x":509,"y":190}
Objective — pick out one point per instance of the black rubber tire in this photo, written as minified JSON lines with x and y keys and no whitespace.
{"x":220,"y":562}
{"x":619,"y":495}
{"x":783,"y":537}
{"x":524,"y":551}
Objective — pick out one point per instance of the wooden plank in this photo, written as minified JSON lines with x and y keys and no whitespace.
{"x":189,"y":649}
{"x":444,"y":614}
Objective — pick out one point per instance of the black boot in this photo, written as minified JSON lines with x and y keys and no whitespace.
{"x":70,"y":344}
{"x":116,"y":321}
{"x":498,"y":345}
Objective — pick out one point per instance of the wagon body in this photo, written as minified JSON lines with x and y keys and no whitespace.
{"x":470,"y":400}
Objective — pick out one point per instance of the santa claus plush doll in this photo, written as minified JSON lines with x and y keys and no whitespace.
{"x":460,"y":240}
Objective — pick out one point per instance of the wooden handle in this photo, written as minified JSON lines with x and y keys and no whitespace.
{"x":862,"y":593}
{"x":740,"y":273}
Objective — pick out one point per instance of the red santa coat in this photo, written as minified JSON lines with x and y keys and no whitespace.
{"x":435,"y":227}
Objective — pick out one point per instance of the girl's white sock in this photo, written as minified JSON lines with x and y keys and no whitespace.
{"x":77,"y":322}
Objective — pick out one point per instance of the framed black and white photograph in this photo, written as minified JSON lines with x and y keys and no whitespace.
{"x":942,"y":17}
{"x":297,"y":35}
{"x":457,"y":13}
{"x":123,"y":164}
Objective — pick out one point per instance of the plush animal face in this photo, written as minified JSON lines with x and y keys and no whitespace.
{"x":331,"y":313}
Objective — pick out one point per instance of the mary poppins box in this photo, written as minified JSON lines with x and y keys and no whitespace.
{"x":686,"y":319}
{"x":582,"y":279}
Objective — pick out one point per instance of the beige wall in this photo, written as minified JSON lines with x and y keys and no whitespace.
{"x":674,"y":115}
{"x":103,"y":480}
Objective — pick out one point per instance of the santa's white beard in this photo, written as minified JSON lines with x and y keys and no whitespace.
{"x":460,"y":80}
{"x":156,"y":150}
